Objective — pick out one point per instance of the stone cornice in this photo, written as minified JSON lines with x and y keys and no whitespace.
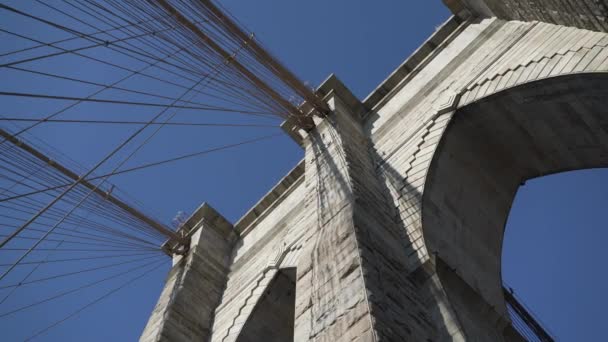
{"x":270,"y":200}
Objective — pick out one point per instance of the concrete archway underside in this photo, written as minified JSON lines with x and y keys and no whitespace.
{"x":489,"y":149}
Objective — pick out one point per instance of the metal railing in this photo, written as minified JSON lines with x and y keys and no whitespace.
{"x":523,"y":321}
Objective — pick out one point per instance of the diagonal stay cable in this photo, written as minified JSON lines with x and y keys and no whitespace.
{"x":117,"y":122}
{"x":128,"y":90}
{"x":107,"y":294}
{"x":185,"y":23}
{"x":97,"y":84}
{"x":25,"y":209}
{"x":210,"y":42}
{"x":23,"y":180}
{"x":138,"y":50}
{"x":110,"y":235}
{"x":167,"y":232}
{"x":77,"y":182}
{"x":148,"y":165}
{"x":100,"y":42}
{"x":65,"y":40}
{"x":105,"y":242}
{"x":76,"y":289}
{"x":170,"y":117}
{"x":207,"y":78}
{"x":105,"y":256}
{"x":57,"y":276}
{"x":79,"y":250}
{"x":111,"y":44}
{"x":132,"y":72}
{"x":217,"y":69}
{"x":102,"y":228}
{"x":71,"y":200}
{"x":72,"y":242}
{"x":62,"y":50}
{"x":88,"y":99}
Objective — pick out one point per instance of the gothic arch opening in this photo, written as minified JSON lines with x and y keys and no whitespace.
{"x":491,"y":147}
{"x":272,"y":319}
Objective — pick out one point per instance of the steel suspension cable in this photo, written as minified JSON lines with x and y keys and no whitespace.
{"x":104,"y":257}
{"x":86,"y":270}
{"x":82,"y":287}
{"x":148,"y":165}
{"x":15,"y":233}
{"x":116,"y":122}
{"x":99,"y":299}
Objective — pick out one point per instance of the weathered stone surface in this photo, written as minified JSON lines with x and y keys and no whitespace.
{"x":587,"y":14}
{"x":273,"y":316}
{"x":394,"y":219}
{"x":185,"y":310}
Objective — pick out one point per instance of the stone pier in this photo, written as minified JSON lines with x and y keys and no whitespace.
{"x":391,"y":227}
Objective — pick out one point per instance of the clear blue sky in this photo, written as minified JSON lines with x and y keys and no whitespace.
{"x":554,"y":249}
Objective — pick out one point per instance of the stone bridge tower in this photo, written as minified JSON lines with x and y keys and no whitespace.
{"x":391,"y":227}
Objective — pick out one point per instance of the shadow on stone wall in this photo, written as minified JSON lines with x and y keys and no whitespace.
{"x":424,"y":277}
{"x":406,"y":304}
{"x":270,"y":320}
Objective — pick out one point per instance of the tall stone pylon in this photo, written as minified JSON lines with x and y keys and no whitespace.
{"x":195,"y":284}
{"x":391,"y":227}
{"x":358,"y":268}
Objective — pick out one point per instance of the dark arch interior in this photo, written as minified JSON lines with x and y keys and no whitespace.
{"x":272,"y":319}
{"x":489,"y":149}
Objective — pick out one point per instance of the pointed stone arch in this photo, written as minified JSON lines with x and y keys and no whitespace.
{"x":273,"y":291}
{"x":272,"y":318}
{"x":490,"y":147}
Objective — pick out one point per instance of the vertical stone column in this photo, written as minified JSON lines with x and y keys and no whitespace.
{"x":194,"y":287}
{"x":355,"y":276}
